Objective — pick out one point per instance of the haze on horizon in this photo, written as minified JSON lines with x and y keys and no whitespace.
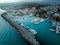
{"x":13,"y":1}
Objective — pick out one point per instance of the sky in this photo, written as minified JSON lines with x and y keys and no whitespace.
{"x":13,"y":1}
{"x":7,"y":1}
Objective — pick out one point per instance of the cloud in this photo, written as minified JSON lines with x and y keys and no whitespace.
{"x":10,"y":1}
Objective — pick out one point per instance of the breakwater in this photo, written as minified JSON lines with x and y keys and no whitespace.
{"x":26,"y":34}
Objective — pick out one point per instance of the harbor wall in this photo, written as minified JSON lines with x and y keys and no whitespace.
{"x":26,"y":34}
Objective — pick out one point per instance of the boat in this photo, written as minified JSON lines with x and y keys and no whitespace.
{"x":37,"y":20}
{"x":58,"y":27}
{"x":32,"y":31}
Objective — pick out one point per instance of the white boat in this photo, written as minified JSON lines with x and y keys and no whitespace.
{"x":52,"y":29}
{"x":58,"y":28}
{"x":37,"y":20}
{"x":42,"y":20}
{"x":22,"y":25}
{"x":53,"y":26}
{"x":33,"y":31}
{"x":54,"y":23}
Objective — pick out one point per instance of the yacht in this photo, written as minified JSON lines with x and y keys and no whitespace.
{"x":33,"y":31}
{"x":58,"y":27}
{"x":37,"y":20}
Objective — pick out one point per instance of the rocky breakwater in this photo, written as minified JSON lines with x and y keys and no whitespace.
{"x":26,"y":34}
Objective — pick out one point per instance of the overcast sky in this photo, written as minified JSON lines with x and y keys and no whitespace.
{"x":10,"y":1}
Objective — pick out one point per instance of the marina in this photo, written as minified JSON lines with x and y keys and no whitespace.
{"x":30,"y":24}
{"x":40,"y":31}
{"x":26,"y":34}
